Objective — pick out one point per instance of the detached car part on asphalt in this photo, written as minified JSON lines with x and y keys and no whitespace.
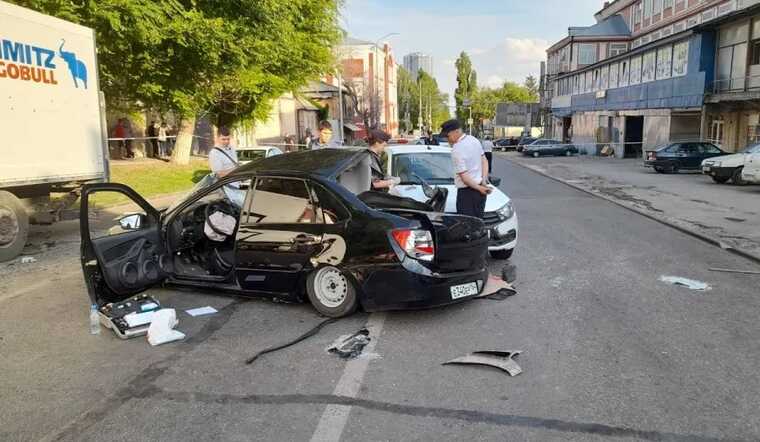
{"x":503,"y":360}
{"x":308,"y":228}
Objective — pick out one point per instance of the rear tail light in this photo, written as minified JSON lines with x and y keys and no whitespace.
{"x":417,"y":244}
{"x":652,"y":155}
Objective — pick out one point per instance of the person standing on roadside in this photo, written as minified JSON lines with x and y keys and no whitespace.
{"x":470,"y":170}
{"x":152,"y":133}
{"x":163,"y":140}
{"x":488,"y":151}
{"x":325,"y":139}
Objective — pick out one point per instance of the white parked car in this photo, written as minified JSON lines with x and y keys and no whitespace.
{"x":751,"y":171}
{"x":730,"y":167}
{"x":431,"y":165}
{"x":248,"y":154}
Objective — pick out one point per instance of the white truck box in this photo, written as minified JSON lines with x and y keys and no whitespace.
{"x":51,"y":114}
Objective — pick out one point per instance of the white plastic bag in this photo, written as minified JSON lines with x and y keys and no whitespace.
{"x":160,"y":330}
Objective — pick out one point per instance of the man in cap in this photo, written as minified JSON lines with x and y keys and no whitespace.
{"x":470,"y":170}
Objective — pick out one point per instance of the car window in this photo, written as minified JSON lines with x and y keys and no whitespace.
{"x":709,"y":148}
{"x":435,"y":168}
{"x":330,"y":209}
{"x":673,"y":148}
{"x":281,"y":201}
{"x":251,"y":155}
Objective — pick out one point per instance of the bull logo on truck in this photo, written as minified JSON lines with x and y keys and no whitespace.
{"x":76,"y":67}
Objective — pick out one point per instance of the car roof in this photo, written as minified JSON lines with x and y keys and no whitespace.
{"x":416,"y":148}
{"x":327,"y":163}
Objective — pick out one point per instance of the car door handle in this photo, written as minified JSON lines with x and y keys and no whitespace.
{"x":305,"y":240}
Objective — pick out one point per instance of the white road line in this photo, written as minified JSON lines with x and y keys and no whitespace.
{"x":38,"y":285}
{"x":335,"y":417}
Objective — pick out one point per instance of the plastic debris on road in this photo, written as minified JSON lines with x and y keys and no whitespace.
{"x":503,"y":360}
{"x":350,"y":346}
{"x":28,"y":260}
{"x":691,"y":284}
{"x":161,"y":330}
{"x":201,"y":311}
{"x":497,"y":289}
{"x":306,"y":335}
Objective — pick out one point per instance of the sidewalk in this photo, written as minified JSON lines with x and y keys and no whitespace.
{"x":727,"y":214}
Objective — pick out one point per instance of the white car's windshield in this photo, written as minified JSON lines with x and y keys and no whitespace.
{"x":435,"y":168}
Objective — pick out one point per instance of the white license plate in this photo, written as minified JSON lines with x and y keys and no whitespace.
{"x":706,"y":169}
{"x":464,"y":290}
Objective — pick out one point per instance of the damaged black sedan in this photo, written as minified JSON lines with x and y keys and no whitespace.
{"x":302,"y":226}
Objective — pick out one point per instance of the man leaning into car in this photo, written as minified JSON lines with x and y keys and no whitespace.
{"x":470,"y":169}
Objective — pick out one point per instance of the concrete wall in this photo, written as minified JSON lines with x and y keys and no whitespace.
{"x":685,"y":127}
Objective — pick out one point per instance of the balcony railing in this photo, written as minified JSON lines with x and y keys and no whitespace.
{"x":736,"y":85}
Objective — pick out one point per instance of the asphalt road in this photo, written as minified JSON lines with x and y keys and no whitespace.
{"x":609,"y":351}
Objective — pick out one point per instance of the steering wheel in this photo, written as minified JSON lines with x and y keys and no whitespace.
{"x":217,"y":207}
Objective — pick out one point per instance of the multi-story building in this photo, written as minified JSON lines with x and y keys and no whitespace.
{"x":370,"y":73}
{"x":417,"y":61}
{"x":653,"y":71}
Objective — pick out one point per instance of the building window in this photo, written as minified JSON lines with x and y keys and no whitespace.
{"x":657,"y":7}
{"x":647,"y":9}
{"x":604,"y":78}
{"x":614,"y":70}
{"x":589,"y":81}
{"x":667,"y":4}
{"x":680,"y":59}
{"x":636,"y":14}
{"x":586,"y":54}
{"x":648,"y":66}
{"x":617,"y":48}
{"x":635,"y":68}
{"x":664,"y":62}
{"x":756,"y":52}
{"x":623,"y":81}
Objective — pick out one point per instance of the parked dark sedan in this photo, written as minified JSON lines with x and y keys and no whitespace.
{"x":297,"y":227}
{"x":506,"y":144}
{"x":545,"y":146}
{"x":680,"y":156}
{"x":524,"y":141}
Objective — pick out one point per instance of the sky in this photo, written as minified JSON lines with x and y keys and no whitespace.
{"x":506,"y":39}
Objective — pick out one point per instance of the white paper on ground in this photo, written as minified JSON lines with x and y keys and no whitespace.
{"x":200,"y":311}
{"x":135,"y":319}
{"x":160,"y":330}
{"x":685,"y":282}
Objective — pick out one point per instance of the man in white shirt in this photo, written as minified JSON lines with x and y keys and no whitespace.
{"x":470,"y":170}
{"x":223,"y":157}
{"x":488,"y":150}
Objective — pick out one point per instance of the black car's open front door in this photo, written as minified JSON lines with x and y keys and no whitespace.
{"x":121,"y":255}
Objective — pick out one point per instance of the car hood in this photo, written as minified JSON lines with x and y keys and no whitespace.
{"x":736,"y":159}
{"x":496,"y":200}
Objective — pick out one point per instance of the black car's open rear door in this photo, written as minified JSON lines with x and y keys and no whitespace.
{"x":121,"y":256}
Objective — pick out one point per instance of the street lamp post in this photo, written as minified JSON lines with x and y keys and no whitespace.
{"x":376,"y":92}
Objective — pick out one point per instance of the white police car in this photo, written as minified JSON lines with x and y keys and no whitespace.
{"x":418,"y":165}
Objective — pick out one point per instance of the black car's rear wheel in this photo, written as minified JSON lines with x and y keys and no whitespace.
{"x":737,"y":179}
{"x":331,"y":292}
{"x":536,"y":154}
{"x":659,"y":169}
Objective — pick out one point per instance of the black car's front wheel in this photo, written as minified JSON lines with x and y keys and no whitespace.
{"x":536,"y":154}
{"x":331,"y":292}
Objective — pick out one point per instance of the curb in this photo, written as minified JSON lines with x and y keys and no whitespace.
{"x":705,"y":238}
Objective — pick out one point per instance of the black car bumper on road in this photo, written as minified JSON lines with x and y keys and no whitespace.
{"x":719,"y":172}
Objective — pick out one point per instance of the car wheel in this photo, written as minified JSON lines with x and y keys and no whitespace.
{"x":536,"y":154}
{"x":501,"y":254}
{"x":14,"y":226}
{"x":659,"y":169}
{"x":737,"y":179}
{"x":331,"y":292}
{"x":720,"y":179}
{"x":568,"y":153}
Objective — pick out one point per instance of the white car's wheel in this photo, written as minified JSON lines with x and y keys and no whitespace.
{"x":331,"y":292}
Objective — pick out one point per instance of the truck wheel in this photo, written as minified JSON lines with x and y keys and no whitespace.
{"x":331,"y":292}
{"x":737,"y":179}
{"x":14,"y":226}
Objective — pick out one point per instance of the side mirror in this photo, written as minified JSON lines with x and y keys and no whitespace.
{"x":496,"y":181}
{"x":132,"y":222}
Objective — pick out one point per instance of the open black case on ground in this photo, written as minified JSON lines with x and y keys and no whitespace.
{"x":112,"y":315}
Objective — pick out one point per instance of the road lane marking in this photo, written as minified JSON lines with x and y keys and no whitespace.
{"x":335,"y":417}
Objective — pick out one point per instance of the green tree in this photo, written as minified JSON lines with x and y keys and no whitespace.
{"x":485,"y":100}
{"x":224,"y":58}
{"x":532,"y":85}
{"x":424,"y":91}
{"x":467,"y":84}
